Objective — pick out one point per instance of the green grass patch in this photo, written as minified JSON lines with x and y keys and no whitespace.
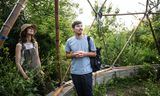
{"x":132,"y":87}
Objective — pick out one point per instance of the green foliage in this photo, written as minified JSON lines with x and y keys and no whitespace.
{"x":99,"y":89}
{"x":135,"y":53}
{"x":112,"y":36}
{"x":145,"y":83}
{"x":140,"y":49}
{"x":152,"y":89}
{"x":6,"y":7}
{"x":132,"y":87}
{"x":125,"y":87}
{"x":42,"y":14}
{"x":49,"y":66}
{"x":11,"y":81}
{"x":148,"y":72}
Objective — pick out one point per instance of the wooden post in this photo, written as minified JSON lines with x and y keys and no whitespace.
{"x":11,"y":20}
{"x":57,"y":40}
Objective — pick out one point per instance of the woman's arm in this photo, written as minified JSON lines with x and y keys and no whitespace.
{"x":38,"y":58}
{"x":18,"y":59}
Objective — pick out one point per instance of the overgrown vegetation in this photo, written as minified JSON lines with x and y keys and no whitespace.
{"x":99,"y":90}
{"x":145,"y":83}
{"x":42,"y":14}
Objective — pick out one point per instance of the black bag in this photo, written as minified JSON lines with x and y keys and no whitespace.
{"x":95,"y":61}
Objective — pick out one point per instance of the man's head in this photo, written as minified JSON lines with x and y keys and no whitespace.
{"x":77,"y":27}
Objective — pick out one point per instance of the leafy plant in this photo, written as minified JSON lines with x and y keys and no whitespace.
{"x":99,"y":89}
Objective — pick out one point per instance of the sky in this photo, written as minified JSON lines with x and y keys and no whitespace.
{"x":125,"y":6}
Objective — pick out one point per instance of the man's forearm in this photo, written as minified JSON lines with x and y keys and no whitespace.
{"x":91,"y":54}
{"x":69,"y":55}
{"x":79,"y":54}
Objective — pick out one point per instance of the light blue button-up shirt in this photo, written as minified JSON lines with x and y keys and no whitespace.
{"x":80,"y":65}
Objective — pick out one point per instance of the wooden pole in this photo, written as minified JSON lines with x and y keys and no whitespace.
{"x":11,"y":20}
{"x":57,"y":40}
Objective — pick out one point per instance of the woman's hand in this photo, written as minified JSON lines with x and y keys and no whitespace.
{"x":42,"y":72}
{"x":26,"y":77}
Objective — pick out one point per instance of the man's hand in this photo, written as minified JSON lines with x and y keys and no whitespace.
{"x":76,"y":54}
{"x":80,"y":54}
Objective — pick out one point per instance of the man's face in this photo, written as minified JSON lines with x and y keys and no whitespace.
{"x":78,"y":29}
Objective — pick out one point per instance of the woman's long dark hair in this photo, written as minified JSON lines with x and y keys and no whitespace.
{"x":23,"y":36}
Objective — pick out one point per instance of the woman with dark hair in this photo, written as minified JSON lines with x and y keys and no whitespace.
{"x":27,"y":55}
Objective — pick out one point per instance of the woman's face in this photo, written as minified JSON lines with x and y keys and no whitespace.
{"x":30,"y":31}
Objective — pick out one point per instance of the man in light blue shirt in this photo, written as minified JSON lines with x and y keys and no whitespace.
{"x":77,"y":49}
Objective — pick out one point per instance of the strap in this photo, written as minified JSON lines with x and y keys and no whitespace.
{"x":34,"y":44}
{"x":23,"y":47}
{"x":22,"y":53}
{"x":89,"y":46}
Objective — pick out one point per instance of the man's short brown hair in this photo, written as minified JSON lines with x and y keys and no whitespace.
{"x":76,"y":23}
